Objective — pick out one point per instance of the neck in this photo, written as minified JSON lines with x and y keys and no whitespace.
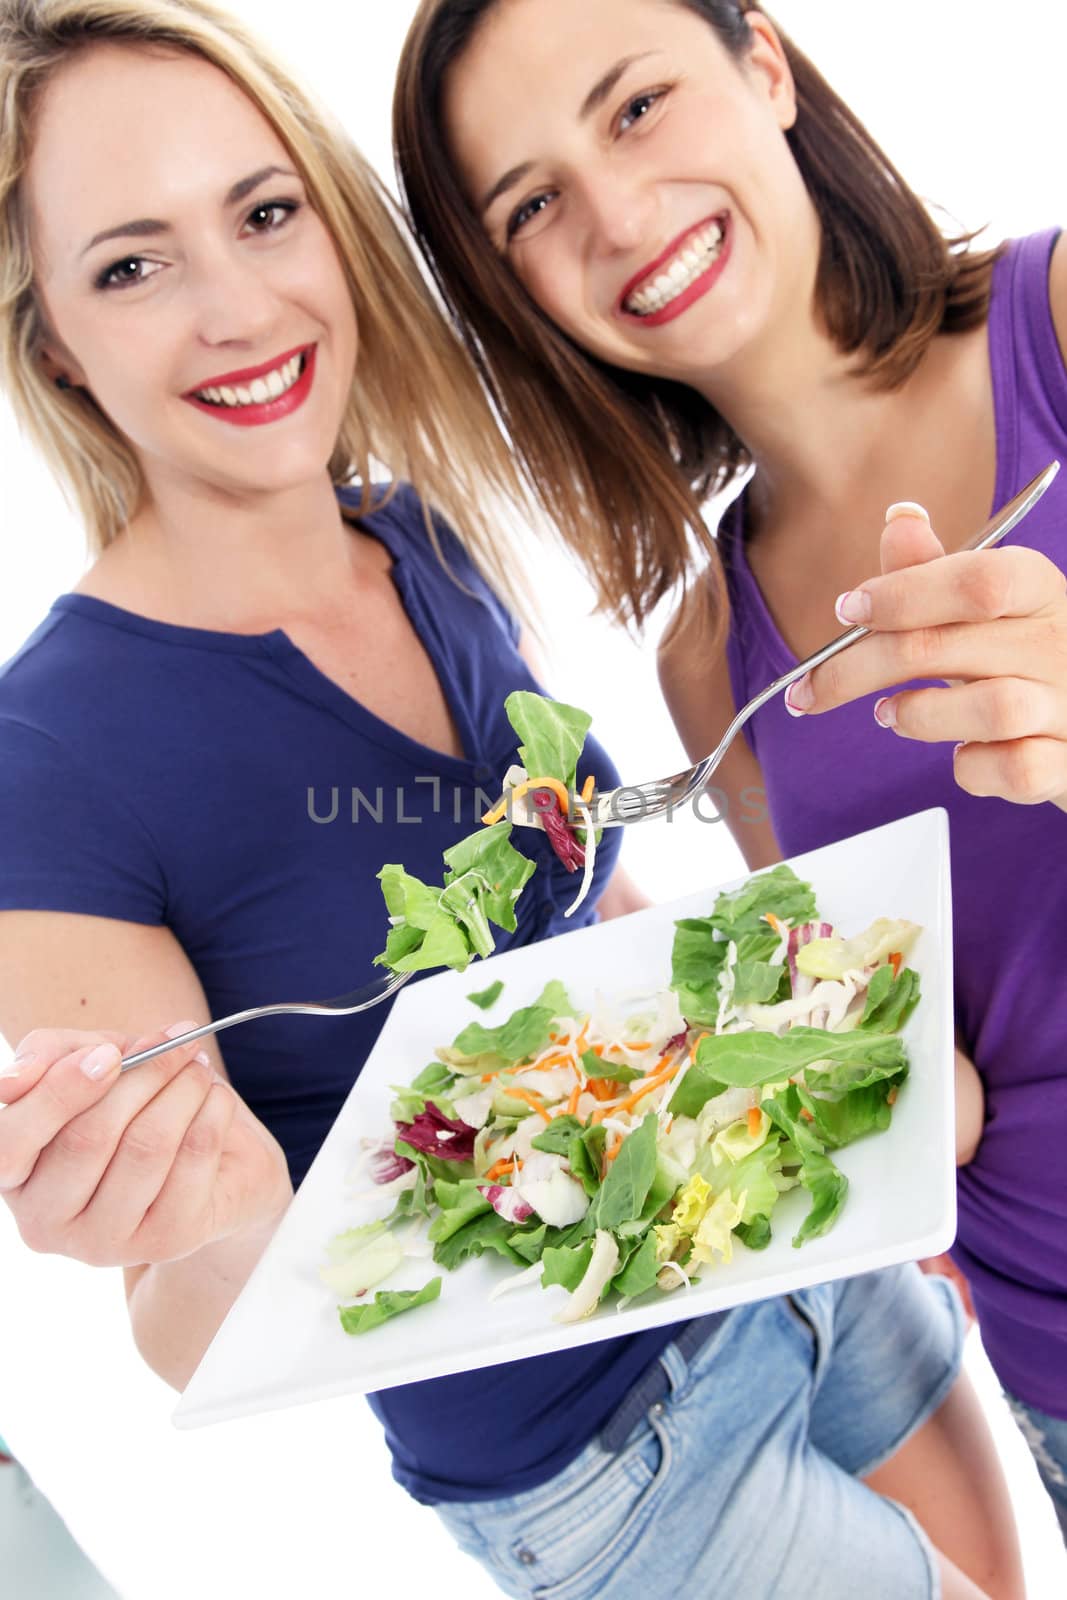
{"x":236,"y":565}
{"x":810,"y":425}
{"x":825,"y":442}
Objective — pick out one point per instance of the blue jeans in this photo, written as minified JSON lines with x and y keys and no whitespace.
{"x":734,"y":1468}
{"x":1047,"y":1438}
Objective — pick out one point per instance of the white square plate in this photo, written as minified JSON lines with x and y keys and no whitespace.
{"x":282,"y":1343}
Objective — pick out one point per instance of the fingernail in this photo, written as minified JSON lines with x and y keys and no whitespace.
{"x":885,"y":713}
{"x":800,"y":696}
{"x":907,"y":508}
{"x":853,"y":606}
{"x":956,"y":748}
{"x":101,"y":1060}
{"x":19,"y":1063}
{"x":178,"y":1028}
{"x":203,"y":1058}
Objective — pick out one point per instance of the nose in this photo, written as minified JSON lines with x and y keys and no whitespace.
{"x":234,"y":302}
{"x":620,"y":210}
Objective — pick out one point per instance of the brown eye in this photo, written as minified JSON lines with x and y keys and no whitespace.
{"x":130,"y":270}
{"x":638,"y":108}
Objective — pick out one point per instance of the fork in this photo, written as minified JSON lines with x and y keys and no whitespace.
{"x":344,"y":1005}
{"x":615,"y":808}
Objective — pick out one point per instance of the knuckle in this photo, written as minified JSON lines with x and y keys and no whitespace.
{"x":203,"y":1140}
{"x":1010,"y":709}
{"x":143,"y":1145}
{"x":1026,"y":775}
{"x":987,"y":586}
{"x":919,"y":649}
{"x":81,"y":1140}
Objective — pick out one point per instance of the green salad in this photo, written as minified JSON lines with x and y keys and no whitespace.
{"x":447,"y":926}
{"x":626,"y":1150}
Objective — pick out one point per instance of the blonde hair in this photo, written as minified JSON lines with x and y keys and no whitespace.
{"x":416,"y":405}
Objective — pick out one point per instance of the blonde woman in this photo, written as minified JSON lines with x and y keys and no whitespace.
{"x":210,"y":746}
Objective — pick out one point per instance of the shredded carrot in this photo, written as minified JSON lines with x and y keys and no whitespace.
{"x":572,"y":1103}
{"x":640,"y":1044}
{"x":891,"y":1097}
{"x":588,"y":789}
{"x":896,"y":958}
{"x":646,"y":1088}
{"x":693,"y":1046}
{"x":558,"y":1058}
{"x":806,"y":1114}
{"x":770,"y":917}
{"x":598,"y":1049}
{"x":612,"y":1149}
{"x":602,"y":1088}
{"x":579,"y":1043}
{"x":558,"y":789}
{"x":531,"y":1099}
{"x":498,"y":1169}
{"x":755,"y":1121}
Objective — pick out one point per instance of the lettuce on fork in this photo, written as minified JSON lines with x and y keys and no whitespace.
{"x":610,"y":1154}
{"x":485,"y":874}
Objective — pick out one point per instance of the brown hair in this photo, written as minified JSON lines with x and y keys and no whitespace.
{"x":622,"y":461}
{"x":416,"y":406}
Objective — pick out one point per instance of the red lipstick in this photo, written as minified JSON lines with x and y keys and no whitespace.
{"x":698,"y":288}
{"x":259,"y":412}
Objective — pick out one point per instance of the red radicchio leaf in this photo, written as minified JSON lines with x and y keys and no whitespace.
{"x":560,"y":834}
{"x":385,"y":1164}
{"x":434,"y":1134}
{"x":505,"y":1202}
{"x":679,"y":1040}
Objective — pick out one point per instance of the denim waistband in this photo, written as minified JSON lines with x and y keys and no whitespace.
{"x":654,"y":1383}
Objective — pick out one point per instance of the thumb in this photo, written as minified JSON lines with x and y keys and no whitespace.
{"x":908,"y":539}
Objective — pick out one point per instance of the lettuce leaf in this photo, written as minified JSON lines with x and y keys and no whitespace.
{"x":387,"y":1303}
{"x":485,"y":998}
{"x":823,"y":1181}
{"x":747,"y":1060}
{"x":890,"y":1001}
{"x":552,"y":735}
{"x":700,"y":943}
{"x":625,"y":1188}
{"x":641,"y":1269}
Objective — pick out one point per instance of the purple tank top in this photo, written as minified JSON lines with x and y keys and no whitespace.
{"x":832,"y":776}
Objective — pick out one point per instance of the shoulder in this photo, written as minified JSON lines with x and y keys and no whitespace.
{"x":1057,"y":291}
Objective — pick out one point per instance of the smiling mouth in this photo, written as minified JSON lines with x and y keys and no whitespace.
{"x":269,"y":386}
{"x":670,"y":279}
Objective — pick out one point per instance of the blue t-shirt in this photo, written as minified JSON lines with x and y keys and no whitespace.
{"x":222,"y":785}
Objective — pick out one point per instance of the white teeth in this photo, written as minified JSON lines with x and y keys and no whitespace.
{"x":694,"y":259}
{"x":259,"y":390}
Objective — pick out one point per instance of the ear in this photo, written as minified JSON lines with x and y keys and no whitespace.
{"x":56,"y":361}
{"x":767,"y":59}
{"x":60,"y":367}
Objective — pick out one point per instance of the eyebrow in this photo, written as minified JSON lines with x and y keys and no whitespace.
{"x":592,"y":102}
{"x":150,"y":227}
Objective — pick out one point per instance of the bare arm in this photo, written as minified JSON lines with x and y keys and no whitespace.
{"x":163,"y":1171}
{"x":970,"y":1109}
{"x":696,"y":687}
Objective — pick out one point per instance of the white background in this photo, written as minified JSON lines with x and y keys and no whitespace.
{"x":964,"y":95}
